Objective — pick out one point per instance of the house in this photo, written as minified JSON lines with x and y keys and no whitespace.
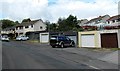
{"x":114,"y":19}
{"x":9,"y":31}
{"x":32,"y":26}
{"x":24,"y":27}
{"x":99,"y":19}
{"x":96,"y":22}
{"x":82,"y":22}
{"x":114,"y":22}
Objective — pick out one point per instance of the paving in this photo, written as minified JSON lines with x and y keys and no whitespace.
{"x":107,"y":55}
{"x":112,"y":57}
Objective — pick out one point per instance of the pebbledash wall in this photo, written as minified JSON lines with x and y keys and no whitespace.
{"x":92,"y":39}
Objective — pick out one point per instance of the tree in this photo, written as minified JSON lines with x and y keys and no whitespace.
{"x":26,"y":20}
{"x":16,"y":22}
{"x":53,"y":27}
{"x":48,"y":25}
{"x":67,"y":24}
{"x":7,"y":23}
{"x":72,"y":21}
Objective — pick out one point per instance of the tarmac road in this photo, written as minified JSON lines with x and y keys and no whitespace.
{"x":22,"y":55}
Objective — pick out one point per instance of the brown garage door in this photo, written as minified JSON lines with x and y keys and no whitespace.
{"x":109,"y":40}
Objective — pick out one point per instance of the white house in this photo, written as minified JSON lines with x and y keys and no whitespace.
{"x":114,"y":21}
{"x":82,"y":22}
{"x":32,"y":26}
{"x":24,"y":27}
{"x":96,"y":22}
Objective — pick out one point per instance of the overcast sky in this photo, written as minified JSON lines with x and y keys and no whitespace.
{"x":53,"y":9}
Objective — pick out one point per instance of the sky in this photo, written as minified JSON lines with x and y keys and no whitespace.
{"x":51,"y":10}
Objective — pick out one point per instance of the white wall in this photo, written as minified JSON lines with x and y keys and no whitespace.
{"x":119,"y":38}
{"x":37,"y":26}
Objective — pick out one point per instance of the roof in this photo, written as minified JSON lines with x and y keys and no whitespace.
{"x":114,"y":18}
{"x":96,"y":19}
{"x":9,"y":28}
{"x":29,"y":23}
{"x":23,"y":24}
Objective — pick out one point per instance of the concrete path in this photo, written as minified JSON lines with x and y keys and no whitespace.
{"x":112,"y":57}
{"x":103,"y":54}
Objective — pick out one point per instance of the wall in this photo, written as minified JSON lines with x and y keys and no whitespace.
{"x":28,"y":29}
{"x":96,"y":36}
{"x":37,"y":26}
{"x":119,"y":38}
{"x":40,"y":35}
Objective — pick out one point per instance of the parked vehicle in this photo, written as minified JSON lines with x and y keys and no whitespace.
{"x":22,"y":38}
{"x":5,"y":38}
{"x":61,"y":41}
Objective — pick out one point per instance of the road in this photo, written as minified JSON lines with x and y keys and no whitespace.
{"x":25,"y":55}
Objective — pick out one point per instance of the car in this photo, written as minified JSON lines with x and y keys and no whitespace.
{"x":22,"y":38}
{"x":4,"y":38}
{"x":61,"y":41}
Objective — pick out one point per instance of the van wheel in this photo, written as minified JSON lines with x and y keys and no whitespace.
{"x":73,"y":44}
{"x":62,"y":45}
{"x":53,"y":46}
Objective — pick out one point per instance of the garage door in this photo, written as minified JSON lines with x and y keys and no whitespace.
{"x":44,"y":38}
{"x":109,"y":40}
{"x":87,"y":40}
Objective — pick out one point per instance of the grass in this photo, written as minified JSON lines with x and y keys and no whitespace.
{"x":35,"y":41}
{"x":114,"y":48}
{"x":104,"y":49}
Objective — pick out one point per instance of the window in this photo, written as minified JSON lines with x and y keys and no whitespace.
{"x":118,"y":19}
{"x":41,"y":27}
{"x":31,"y":26}
{"x":21,"y":27}
{"x":26,"y":26}
{"x":113,"y":21}
{"x":16,"y":28}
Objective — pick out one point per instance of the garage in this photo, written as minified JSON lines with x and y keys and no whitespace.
{"x":109,"y":40}
{"x":88,"y":40}
{"x":44,"y":37}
